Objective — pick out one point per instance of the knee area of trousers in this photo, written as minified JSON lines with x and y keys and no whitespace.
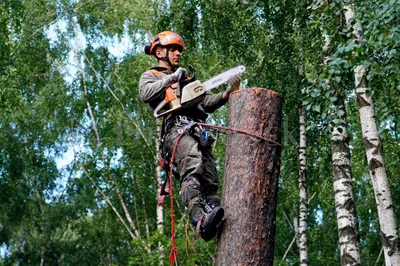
{"x":190,"y":189}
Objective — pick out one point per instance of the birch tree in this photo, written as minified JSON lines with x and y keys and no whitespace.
{"x":341,"y":173}
{"x":303,"y":209}
{"x":373,"y":149}
{"x":302,"y":238}
{"x":342,"y":183}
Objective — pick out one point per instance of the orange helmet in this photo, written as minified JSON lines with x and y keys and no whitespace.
{"x":163,"y":39}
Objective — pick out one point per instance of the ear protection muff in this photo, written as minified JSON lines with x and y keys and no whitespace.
{"x":149,"y":48}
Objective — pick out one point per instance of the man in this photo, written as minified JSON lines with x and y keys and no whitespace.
{"x":195,"y":162}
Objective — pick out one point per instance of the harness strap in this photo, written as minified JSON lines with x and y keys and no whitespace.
{"x":192,"y":127}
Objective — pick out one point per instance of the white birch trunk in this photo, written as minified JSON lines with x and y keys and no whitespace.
{"x":373,"y":150}
{"x":42,"y":256}
{"x":160,"y":209}
{"x":302,"y":230}
{"x":147,"y":225}
{"x":342,"y":184}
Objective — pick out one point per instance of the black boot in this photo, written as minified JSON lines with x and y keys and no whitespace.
{"x":207,"y":223}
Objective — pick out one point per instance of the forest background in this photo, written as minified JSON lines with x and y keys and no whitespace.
{"x":78,"y":170}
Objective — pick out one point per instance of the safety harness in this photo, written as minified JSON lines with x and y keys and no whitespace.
{"x":189,"y":127}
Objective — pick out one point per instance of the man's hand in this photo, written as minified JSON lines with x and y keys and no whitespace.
{"x":233,"y":85}
{"x":172,"y":78}
{"x":176,"y":74}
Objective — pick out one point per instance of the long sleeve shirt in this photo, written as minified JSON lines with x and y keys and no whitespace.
{"x":153,"y":84}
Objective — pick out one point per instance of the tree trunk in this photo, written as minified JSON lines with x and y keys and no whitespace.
{"x":342,"y":180}
{"x":42,"y":254}
{"x":342,"y":184}
{"x":373,"y":149}
{"x":159,"y":208}
{"x":302,"y":233}
{"x":250,"y":186}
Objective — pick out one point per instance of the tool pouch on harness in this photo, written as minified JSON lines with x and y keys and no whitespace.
{"x":200,"y":132}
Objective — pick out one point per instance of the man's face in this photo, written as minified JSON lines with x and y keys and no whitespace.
{"x":174,"y":55}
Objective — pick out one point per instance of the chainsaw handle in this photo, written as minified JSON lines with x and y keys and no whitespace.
{"x":171,"y":99}
{"x":169,"y":96}
{"x":193,"y":77}
{"x":183,"y":81}
{"x":158,"y":108}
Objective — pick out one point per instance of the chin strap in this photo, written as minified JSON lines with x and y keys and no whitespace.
{"x":166,"y":59}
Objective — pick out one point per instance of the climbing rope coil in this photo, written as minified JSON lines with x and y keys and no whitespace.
{"x":203,"y":139}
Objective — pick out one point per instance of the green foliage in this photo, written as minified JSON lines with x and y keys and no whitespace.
{"x":64,"y":94}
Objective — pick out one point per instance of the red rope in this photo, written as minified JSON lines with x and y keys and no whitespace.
{"x":241,"y":131}
{"x":174,"y":251}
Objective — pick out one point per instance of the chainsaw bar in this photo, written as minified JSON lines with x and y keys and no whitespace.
{"x":193,"y":92}
{"x":223,"y":78}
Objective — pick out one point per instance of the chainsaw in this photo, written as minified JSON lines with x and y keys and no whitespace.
{"x":189,"y":91}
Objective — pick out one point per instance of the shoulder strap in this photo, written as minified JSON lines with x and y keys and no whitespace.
{"x":155,"y":72}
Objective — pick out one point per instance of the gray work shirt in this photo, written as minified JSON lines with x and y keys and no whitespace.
{"x":156,"y":80}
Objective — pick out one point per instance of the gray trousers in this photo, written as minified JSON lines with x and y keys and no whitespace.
{"x":196,"y":166}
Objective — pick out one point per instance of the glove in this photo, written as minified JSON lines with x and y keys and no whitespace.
{"x":233,"y":84}
{"x":176,"y":74}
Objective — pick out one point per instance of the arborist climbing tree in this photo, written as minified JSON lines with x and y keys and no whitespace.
{"x":183,"y":138}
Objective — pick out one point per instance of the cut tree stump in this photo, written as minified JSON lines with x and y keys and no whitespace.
{"x":250,"y":184}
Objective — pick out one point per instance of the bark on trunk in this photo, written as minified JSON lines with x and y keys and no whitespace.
{"x":302,"y":233}
{"x":373,"y":149}
{"x":342,"y":181}
{"x":250,"y":185}
{"x":342,"y":184}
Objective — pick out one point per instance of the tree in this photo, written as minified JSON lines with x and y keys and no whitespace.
{"x":251,"y":179}
{"x":373,"y":146}
{"x":341,"y":173}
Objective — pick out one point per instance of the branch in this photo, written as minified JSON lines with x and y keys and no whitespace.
{"x":82,"y":70}
{"x":379,"y":256}
{"x":119,"y":101}
{"x":146,"y":222}
{"x":288,"y":221}
{"x":315,"y":193}
{"x":290,"y":246}
{"x":108,"y":202}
